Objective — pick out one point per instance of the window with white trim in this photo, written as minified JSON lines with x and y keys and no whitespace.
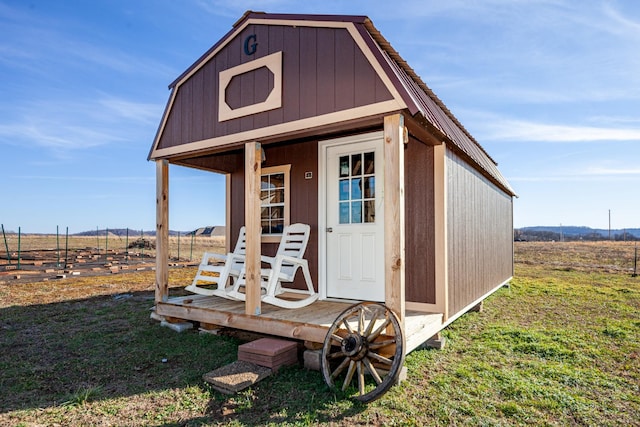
{"x":274,"y":196}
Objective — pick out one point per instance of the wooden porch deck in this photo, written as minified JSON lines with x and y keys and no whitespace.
{"x":309,"y":323}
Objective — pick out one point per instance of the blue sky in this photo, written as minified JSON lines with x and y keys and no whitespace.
{"x":550,"y":88}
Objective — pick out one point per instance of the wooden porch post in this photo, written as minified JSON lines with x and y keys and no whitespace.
{"x":440,"y":231}
{"x":394,"y":239}
{"x":162,"y":230}
{"x":252,"y":172}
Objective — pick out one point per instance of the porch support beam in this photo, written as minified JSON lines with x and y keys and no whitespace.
{"x":394,"y":223}
{"x":252,"y":172}
{"x":162,"y":231}
{"x":440,"y":229}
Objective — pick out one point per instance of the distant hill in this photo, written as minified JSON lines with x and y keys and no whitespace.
{"x":209,"y":231}
{"x":574,"y":233}
{"x":122,"y":232}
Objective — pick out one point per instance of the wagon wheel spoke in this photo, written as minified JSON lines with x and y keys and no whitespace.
{"x":347,"y":326}
{"x":380,"y":344}
{"x":364,"y":338}
{"x":372,"y":370}
{"x":336,"y":338}
{"x":378,"y":331}
{"x":336,"y":355}
{"x":379,"y":358}
{"x":361,"y":383}
{"x":372,"y":323}
{"x":340,"y":368}
{"x":349,"y":377}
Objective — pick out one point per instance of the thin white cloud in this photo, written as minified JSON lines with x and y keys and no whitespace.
{"x":491,"y":127}
{"x":602,"y":171}
{"x":585,"y":174}
{"x":64,"y":127}
{"x":130,"y":110}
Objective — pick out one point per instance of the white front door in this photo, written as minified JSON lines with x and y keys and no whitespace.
{"x":354,"y":211}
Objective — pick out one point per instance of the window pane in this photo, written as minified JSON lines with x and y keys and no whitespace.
{"x":277,"y":226}
{"x":356,"y":212}
{"x":344,"y":213}
{"x":264,"y":198}
{"x":369,"y":163}
{"x":344,"y":166}
{"x":265,"y":227}
{"x":356,"y":164}
{"x":370,"y":187}
{"x":356,"y":188}
{"x":370,"y":211}
{"x":277,"y":180}
{"x":264,"y":182}
{"x":278,"y":196}
{"x":277,"y":212}
{"x":344,"y":189}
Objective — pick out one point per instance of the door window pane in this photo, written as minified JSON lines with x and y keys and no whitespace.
{"x":344,"y":166}
{"x":356,"y":164}
{"x":370,"y":187}
{"x":370,"y":211}
{"x":356,"y":188}
{"x":356,"y":212}
{"x":344,"y":213}
{"x":369,"y":163}
{"x":344,"y":189}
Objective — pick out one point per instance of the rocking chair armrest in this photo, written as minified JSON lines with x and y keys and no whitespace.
{"x":279,"y":259}
{"x":268,"y":259}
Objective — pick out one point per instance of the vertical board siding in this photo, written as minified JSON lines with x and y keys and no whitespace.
{"x":323,"y":71}
{"x":480,"y":235}
{"x":420,"y":237}
{"x":325,"y":77}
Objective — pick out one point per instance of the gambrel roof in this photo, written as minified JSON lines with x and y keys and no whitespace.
{"x":283,"y":74}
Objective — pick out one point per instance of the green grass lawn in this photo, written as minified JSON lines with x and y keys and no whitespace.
{"x":559,"y":347}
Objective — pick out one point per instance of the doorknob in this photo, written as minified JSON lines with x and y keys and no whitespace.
{"x":329,"y":229}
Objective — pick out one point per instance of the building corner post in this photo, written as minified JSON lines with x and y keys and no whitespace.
{"x":440,"y":229}
{"x":394,"y":214}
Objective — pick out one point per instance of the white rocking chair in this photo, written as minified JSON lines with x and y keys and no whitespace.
{"x":218,"y":269}
{"x":283,"y":270}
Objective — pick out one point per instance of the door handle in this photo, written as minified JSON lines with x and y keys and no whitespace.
{"x":329,"y":229}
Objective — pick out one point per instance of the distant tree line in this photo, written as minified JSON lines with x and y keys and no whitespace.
{"x":554,"y":236}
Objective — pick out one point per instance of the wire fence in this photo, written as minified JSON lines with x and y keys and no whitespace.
{"x":19,"y":245}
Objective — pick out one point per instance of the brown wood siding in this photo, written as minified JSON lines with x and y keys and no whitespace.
{"x":303,"y":157}
{"x":323,"y":71}
{"x":419,"y":225}
{"x":479,"y":234}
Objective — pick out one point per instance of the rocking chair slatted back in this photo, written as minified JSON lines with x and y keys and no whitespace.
{"x":293,"y":244}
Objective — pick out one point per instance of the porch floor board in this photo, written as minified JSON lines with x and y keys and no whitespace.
{"x":309,"y":323}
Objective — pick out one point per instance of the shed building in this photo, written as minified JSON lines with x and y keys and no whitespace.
{"x":405,"y":207}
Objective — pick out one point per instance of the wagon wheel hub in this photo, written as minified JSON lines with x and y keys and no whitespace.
{"x":355,"y":346}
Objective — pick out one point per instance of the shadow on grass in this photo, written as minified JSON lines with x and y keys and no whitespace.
{"x":107,"y":347}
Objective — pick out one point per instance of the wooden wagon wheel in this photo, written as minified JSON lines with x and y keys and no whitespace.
{"x":365,"y":339}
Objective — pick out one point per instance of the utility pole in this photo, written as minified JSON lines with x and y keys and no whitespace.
{"x":609,"y":224}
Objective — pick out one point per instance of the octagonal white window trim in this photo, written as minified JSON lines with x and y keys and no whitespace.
{"x":273,"y":62}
